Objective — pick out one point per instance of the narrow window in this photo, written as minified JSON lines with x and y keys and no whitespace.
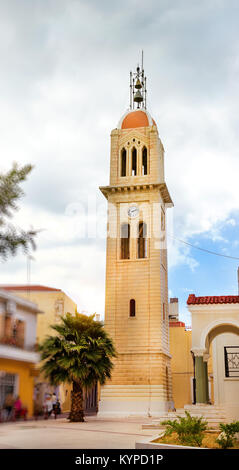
{"x":144,"y":162}
{"x":125,"y":241}
{"x":14,"y":329}
{"x":164,"y":313}
{"x":123,"y":162}
{"x":134,"y":162}
{"x":162,"y":220}
{"x":142,"y":240}
{"x":132,"y":308}
{"x":8,"y":327}
{"x":167,"y":383}
{"x":20,"y":333}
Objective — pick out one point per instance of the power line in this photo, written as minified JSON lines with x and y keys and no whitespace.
{"x":203,"y":249}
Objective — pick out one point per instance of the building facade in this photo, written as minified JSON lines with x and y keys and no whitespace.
{"x":136,"y":303}
{"x":215,"y":336}
{"x":183,"y":366}
{"x":54,"y":303}
{"x":18,"y":356}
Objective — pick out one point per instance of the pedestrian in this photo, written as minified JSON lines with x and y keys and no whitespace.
{"x":54,"y":399}
{"x":57,"y":408}
{"x":8,"y":405}
{"x":37,"y":409}
{"x":17,"y":407}
{"x":48,"y":406}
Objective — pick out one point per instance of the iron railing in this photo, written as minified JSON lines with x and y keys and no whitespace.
{"x":231,"y":355}
{"x":14,"y":342}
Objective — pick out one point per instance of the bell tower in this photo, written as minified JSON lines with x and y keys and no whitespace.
{"x":136,"y":300}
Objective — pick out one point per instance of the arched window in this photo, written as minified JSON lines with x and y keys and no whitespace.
{"x":162,"y":220}
{"x":132,"y":308}
{"x":144,"y":162}
{"x":142,"y":240}
{"x":134,"y":161}
{"x":123,"y":162}
{"x":167,"y":383}
{"x":125,"y":241}
{"x":164,"y":313}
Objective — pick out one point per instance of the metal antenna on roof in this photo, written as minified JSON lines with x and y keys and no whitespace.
{"x":29,"y":259}
{"x":131,"y":90}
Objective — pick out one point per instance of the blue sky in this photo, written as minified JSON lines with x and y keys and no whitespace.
{"x":64,"y":79}
{"x":212,"y":274}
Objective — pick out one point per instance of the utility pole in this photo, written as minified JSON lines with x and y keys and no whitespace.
{"x":29,"y":259}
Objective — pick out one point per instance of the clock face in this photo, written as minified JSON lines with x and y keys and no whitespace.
{"x":133,"y":211}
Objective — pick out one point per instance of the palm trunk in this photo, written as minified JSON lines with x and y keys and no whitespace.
{"x":77,"y":411}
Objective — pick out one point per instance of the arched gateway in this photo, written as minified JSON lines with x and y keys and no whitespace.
{"x":215,"y":330}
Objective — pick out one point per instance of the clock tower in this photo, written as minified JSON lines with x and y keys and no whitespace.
{"x":136,"y":302}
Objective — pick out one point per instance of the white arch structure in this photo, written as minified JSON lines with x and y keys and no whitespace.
{"x":208,"y":315}
{"x":212,"y":326}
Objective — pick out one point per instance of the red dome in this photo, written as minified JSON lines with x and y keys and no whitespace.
{"x":136,"y":118}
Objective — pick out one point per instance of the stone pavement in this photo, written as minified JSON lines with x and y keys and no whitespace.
{"x":94,"y":433}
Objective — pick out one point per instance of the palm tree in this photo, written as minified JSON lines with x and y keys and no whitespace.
{"x":80,"y":353}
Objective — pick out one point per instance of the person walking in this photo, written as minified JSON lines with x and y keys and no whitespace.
{"x":18,"y":409}
{"x":53,"y":399}
{"x":8,"y":406}
{"x":48,"y":406}
{"x":57,"y":407}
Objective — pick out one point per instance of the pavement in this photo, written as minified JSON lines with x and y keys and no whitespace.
{"x":94,"y":433}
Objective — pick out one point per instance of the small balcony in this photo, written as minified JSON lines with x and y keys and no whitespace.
{"x":18,"y":343}
{"x":12,"y":341}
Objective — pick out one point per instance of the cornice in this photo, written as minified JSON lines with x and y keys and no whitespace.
{"x":162,"y":187}
{"x":19,"y":301}
{"x":205,"y":308}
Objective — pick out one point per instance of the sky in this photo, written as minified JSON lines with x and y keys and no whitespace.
{"x":64,"y":83}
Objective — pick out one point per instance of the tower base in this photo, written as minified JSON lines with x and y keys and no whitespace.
{"x":133,"y":400}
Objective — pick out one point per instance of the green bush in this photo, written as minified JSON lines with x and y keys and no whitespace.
{"x":189,"y":429}
{"x":227,"y":437}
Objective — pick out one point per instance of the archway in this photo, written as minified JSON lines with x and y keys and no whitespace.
{"x":216,"y":328}
{"x":214,"y":318}
{"x":212,"y":332}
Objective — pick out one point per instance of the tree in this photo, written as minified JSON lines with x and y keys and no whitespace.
{"x":12,"y":238}
{"x":80,"y":353}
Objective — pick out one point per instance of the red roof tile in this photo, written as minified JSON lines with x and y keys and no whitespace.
{"x":213,"y":299}
{"x":19,"y":287}
{"x":176,"y":323}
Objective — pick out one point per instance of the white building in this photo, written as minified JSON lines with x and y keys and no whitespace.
{"x":18,"y":356}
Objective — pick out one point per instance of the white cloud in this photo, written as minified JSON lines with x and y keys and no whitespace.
{"x":64,"y":80}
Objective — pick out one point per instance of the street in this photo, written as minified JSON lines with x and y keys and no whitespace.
{"x":61,"y":434}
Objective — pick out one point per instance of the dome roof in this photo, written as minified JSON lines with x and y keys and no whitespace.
{"x":136,"y":118}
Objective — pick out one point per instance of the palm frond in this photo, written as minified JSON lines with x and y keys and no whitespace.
{"x":80,"y":351}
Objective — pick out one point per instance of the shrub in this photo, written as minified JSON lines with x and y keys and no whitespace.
{"x":189,"y":429}
{"x":227,"y":437}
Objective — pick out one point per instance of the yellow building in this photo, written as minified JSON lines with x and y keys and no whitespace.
{"x":183,"y":365}
{"x":136,"y":303}
{"x":54,"y":303}
{"x":18,"y":357}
